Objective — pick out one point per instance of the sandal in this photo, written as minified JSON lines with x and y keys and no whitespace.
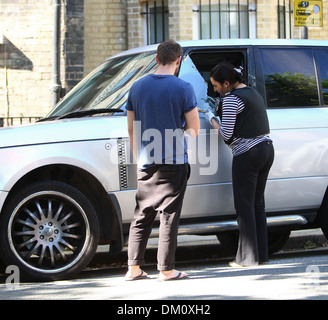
{"x":179,"y":276}
{"x":141,"y":276}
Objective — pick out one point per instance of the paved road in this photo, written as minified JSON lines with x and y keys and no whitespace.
{"x":289,"y":275}
{"x":285,"y":277}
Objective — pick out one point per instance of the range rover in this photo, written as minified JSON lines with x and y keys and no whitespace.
{"x":68,"y":182}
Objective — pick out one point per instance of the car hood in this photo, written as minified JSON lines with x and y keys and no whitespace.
{"x":91,"y":128}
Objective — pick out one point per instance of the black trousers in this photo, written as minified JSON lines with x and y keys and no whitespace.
{"x":161,"y":189}
{"x":249,"y":175}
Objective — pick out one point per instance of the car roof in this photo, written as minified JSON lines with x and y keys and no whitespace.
{"x":232,"y":42}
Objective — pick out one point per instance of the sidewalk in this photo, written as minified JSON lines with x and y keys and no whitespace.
{"x":207,"y":248}
{"x":288,"y":275}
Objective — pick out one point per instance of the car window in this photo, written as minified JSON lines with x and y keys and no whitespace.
{"x":108,"y":85}
{"x":195,"y":69}
{"x":189,"y":73}
{"x":322,"y":60}
{"x":290,"y":77}
{"x":204,"y":61}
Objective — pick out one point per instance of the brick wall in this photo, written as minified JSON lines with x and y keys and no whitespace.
{"x":91,"y":31}
{"x":267,"y":20}
{"x":321,"y":32}
{"x":135,"y":24}
{"x":73,"y":40}
{"x":105,"y":31}
{"x":180,"y":19}
{"x":267,"y":23}
{"x":25,"y":57}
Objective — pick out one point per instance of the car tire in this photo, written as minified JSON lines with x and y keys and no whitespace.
{"x":49,"y":230}
{"x":276,"y":241}
{"x":322,"y":217}
{"x":323,"y":222}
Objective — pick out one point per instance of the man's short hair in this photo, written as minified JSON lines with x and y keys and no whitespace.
{"x":168,"y":51}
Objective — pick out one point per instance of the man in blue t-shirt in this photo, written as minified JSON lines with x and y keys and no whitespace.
{"x":160,"y":108}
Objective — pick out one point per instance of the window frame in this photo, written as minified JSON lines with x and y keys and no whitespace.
{"x":148,"y":14}
{"x":319,"y":80}
{"x":284,"y":19}
{"x":245,"y":51}
{"x":261,"y":80}
{"x":251,"y":27}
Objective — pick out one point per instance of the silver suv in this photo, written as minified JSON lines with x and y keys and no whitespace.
{"x":67,"y":183}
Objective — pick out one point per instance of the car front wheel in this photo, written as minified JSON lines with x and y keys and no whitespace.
{"x":49,"y":230}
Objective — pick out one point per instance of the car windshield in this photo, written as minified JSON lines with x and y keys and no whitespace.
{"x":107,"y":86}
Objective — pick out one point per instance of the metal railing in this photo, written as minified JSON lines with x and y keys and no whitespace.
{"x":223,"y":19}
{"x":12,"y":121}
{"x":157,"y":21}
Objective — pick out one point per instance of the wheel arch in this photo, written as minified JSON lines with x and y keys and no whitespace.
{"x":323,"y":209}
{"x":322,"y":215}
{"x":108,"y":212}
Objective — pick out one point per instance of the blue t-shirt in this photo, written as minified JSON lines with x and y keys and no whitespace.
{"x":159,"y":103}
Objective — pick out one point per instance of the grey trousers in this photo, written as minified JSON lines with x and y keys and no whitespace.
{"x":161,"y":189}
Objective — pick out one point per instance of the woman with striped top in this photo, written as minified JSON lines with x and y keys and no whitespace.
{"x":244,"y":127}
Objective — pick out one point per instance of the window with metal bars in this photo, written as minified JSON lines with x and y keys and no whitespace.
{"x":226,"y":19}
{"x":156,"y":15}
{"x":284,"y":19}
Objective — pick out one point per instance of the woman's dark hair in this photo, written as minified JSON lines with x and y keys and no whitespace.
{"x":226,"y":71}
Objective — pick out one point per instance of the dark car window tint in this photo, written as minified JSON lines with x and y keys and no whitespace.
{"x":322,"y":58}
{"x":205,"y":61}
{"x":290,"y":78}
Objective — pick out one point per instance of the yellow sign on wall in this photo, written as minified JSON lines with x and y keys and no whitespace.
{"x":308,"y":13}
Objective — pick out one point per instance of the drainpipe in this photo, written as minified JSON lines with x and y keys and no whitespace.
{"x":56,"y":50}
{"x":305,"y":33}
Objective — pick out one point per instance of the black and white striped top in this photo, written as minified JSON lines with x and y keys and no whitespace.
{"x":233,"y":105}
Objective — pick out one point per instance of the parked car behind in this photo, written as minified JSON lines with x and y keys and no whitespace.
{"x":68,"y":182}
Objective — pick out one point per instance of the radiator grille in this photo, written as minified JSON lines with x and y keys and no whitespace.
{"x":123,"y":172}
